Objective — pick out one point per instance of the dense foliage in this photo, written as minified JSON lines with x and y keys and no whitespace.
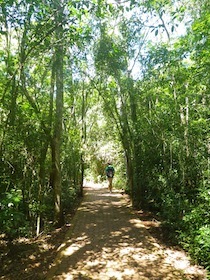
{"x":86,"y":82}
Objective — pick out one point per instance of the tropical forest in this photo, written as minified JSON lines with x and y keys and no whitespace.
{"x":84,"y":83}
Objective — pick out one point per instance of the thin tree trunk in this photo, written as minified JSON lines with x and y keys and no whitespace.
{"x":57,"y":137}
{"x":186,"y":126}
{"x":84,"y":102}
{"x":41,"y":184}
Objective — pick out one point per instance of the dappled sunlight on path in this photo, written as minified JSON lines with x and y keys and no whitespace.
{"x":108,"y":241}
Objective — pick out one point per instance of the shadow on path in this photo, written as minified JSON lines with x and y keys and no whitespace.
{"x":108,"y":241}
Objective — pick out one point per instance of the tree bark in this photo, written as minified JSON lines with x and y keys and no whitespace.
{"x":57,"y":136}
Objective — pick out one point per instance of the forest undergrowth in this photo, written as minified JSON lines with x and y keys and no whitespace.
{"x":29,"y":258}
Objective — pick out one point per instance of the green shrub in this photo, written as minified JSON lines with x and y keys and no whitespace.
{"x":195,"y":235}
{"x":12,"y":219}
{"x":202,"y":246}
{"x":69,"y":198}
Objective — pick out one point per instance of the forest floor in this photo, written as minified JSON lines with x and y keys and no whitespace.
{"x":105,"y":240}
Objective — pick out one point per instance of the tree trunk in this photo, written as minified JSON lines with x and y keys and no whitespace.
{"x":84,"y":104}
{"x":57,"y":136}
{"x":41,"y":184}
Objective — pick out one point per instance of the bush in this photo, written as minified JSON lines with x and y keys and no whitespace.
{"x":195,"y":234}
{"x":69,"y":198}
{"x":201,"y":248}
{"x":12,"y":220}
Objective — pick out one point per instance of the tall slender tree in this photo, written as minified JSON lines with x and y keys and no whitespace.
{"x":57,"y":134}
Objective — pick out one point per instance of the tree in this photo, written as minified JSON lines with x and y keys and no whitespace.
{"x":57,"y":135}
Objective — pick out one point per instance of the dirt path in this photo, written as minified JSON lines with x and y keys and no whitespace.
{"x":108,"y":241}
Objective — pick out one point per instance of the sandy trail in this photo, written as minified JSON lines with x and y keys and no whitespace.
{"x":108,"y":241}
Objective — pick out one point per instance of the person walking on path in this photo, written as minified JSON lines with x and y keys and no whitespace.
{"x":110,"y":171}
